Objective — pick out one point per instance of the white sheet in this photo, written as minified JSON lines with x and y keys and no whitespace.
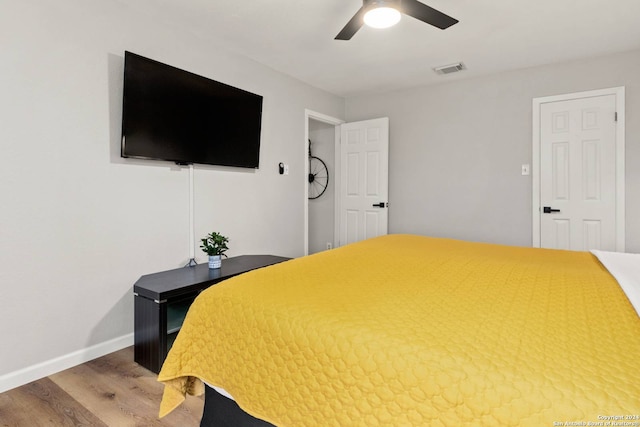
{"x":222,"y":391}
{"x":626,"y":270}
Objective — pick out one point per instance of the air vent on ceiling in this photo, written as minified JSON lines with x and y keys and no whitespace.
{"x":448,"y":69}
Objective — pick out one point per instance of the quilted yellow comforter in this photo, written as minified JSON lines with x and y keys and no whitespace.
{"x":413,"y":331}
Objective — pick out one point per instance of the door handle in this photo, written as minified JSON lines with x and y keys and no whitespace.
{"x":379,"y":205}
{"x":547,"y":209}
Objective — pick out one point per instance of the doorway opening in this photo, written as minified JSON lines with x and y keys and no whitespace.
{"x":322,"y":134}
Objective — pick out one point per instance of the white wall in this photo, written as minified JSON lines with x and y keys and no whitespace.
{"x":321,"y":210}
{"x":456,"y":149}
{"x":78,"y":224}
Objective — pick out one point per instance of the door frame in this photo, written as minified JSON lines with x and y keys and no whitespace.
{"x":309,"y":114}
{"x":619,"y":93}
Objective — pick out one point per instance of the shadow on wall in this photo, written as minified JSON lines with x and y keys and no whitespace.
{"x":117,"y":322}
{"x":115,"y":74}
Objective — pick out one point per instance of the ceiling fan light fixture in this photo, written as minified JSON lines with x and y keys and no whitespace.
{"x":382,"y":17}
{"x":385,"y":13}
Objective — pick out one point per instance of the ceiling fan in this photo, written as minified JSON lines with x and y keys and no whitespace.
{"x":384,"y":13}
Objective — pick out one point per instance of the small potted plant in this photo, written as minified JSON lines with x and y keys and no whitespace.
{"x":215,"y":245}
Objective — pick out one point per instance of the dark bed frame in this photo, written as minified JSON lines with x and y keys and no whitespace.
{"x":220,"y":411}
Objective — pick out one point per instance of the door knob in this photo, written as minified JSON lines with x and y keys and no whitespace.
{"x":379,"y":205}
{"x":547,"y":209}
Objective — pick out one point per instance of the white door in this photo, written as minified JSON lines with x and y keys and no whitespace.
{"x":578,"y":173}
{"x":364,"y":183}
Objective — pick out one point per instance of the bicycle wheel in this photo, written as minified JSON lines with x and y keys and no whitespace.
{"x":318,"y":177}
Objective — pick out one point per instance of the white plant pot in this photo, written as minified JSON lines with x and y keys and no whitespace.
{"x":215,"y":261}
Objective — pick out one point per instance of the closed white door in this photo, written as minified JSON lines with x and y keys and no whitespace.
{"x":578,"y":174}
{"x":364,"y":185}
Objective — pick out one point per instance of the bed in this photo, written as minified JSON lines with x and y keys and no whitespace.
{"x":405,"y":330}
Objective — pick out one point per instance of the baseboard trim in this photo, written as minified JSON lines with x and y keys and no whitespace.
{"x":49,"y":367}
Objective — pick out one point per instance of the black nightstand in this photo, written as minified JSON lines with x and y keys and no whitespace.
{"x":162,"y":300}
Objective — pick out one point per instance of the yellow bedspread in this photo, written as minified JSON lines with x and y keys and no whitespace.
{"x":413,"y":331}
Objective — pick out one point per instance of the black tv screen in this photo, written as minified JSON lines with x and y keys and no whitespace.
{"x":172,"y":114}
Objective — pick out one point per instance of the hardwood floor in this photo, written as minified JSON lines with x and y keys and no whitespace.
{"x":111,"y":391}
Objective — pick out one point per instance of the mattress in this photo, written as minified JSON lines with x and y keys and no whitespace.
{"x":410,"y":330}
{"x":221,"y":411}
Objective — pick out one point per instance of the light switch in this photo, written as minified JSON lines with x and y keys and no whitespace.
{"x":525,"y":169}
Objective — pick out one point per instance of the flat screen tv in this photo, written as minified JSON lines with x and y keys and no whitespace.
{"x":172,"y":114}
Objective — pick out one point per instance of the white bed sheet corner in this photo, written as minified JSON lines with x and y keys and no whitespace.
{"x":221,"y":391}
{"x":625,"y":268}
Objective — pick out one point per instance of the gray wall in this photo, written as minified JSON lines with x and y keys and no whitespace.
{"x":78,"y":224}
{"x":456,"y":149}
{"x":321,"y":210}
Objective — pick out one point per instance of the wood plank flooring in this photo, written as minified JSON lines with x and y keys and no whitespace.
{"x":109,"y":391}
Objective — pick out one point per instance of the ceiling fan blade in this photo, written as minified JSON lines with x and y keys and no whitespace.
{"x":427,"y":14}
{"x":352,"y":26}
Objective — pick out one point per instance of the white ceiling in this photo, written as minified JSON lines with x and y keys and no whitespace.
{"x":296,"y":37}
